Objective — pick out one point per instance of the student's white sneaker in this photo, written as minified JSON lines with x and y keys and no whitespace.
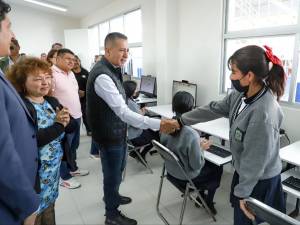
{"x":71,"y":183}
{"x":79,"y":172}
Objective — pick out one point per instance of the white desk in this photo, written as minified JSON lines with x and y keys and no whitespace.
{"x":215,"y":159}
{"x":162,"y":110}
{"x":142,"y":99}
{"x":218,"y":128}
{"x":291,"y":153}
{"x":286,"y":174}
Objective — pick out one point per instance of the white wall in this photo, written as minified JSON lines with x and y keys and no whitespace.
{"x":182,"y":39}
{"x":77,"y":40}
{"x":36,"y":30}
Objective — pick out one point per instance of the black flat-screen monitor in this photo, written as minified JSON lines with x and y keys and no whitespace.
{"x":148,"y":86}
{"x":268,"y":214}
{"x":185,"y":86}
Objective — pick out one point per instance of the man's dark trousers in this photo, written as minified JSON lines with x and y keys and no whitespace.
{"x":113,"y":159}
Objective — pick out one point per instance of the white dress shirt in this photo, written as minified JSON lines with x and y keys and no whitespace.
{"x":107,"y":90}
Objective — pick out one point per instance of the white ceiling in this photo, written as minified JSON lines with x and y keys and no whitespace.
{"x":76,"y":8}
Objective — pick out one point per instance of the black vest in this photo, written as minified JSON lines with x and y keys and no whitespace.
{"x":107,"y":128}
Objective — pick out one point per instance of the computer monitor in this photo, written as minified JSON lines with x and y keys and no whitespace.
{"x":268,"y":214}
{"x":148,"y":86}
{"x":185,"y":86}
{"x":126,"y":77}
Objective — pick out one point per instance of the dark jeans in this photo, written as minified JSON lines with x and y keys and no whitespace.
{"x":94,"y":148}
{"x":47,"y":217}
{"x":113,"y":160}
{"x":268,"y":191}
{"x":73,"y":141}
{"x":84,"y":119}
{"x":209,"y":179}
{"x":145,"y":138}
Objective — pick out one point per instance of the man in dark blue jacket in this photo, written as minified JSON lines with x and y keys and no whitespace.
{"x":18,"y":146}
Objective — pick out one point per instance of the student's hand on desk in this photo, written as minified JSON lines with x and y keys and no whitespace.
{"x":168,"y":126}
{"x":246,"y":211}
{"x":205,"y":144}
{"x":143,"y":110}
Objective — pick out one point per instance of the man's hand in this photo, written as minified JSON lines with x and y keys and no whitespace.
{"x":168,"y":126}
{"x":246,"y":211}
{"x":30,"y":219}
{"x":81,"y":93}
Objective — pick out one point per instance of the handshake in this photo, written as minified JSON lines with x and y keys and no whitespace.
{"x":169,"y":126}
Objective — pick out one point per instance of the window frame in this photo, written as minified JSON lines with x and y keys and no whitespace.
{"x":130,"y":45}
{"x":260,"y":33}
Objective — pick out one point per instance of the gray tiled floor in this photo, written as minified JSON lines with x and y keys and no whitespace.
{"x":84,"y":205}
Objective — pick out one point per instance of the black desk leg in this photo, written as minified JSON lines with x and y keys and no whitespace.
{"x":295,"y":213}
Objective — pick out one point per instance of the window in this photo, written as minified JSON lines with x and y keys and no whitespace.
{"x":93,"y":43}
{"x":135,"y":63}
{"x":116,"y":25}
{"x":265,"y":22}
{"x":251,"y":14}
{"x":131,"y":25}
{"x":103,"y":31}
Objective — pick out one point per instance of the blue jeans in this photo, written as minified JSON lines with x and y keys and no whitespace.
{"x":113,"y":160}
{"x":73,"y":140}
{"x":94,"y":148}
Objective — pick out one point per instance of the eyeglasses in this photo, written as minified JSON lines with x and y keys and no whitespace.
{"x":69,"y":59}
{"x":46,"y":78}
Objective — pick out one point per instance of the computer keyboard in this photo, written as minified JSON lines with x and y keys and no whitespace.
{"x":292,"y":182}
{"x":218,"y":151}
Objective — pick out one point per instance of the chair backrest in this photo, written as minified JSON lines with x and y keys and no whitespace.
{"x":269,"y":214}
{"x":170,"y":156}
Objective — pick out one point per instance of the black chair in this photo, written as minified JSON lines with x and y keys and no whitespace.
{"x":269,"y":214}
{"x":190,"y":190}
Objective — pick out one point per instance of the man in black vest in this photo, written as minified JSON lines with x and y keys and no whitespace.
{"x":108,"y":117}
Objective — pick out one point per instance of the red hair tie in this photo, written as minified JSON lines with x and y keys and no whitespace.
{"x":273,"y":58}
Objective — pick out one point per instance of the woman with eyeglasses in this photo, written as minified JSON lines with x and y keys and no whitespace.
{"x":32,"y":78}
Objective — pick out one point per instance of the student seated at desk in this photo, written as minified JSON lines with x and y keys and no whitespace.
{"x":138,"y":137}
{"x":186,"y":144}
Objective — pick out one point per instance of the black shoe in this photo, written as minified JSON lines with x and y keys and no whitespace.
{"x":211,"y":205}
{"x":125,"y":200}
{"x":212,"y":208}
{"x":120,"y":220}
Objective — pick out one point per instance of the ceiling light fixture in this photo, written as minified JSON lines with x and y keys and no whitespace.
{"x":52,"y":6}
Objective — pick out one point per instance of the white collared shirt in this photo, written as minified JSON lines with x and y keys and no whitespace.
{"x":107,"y":90}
